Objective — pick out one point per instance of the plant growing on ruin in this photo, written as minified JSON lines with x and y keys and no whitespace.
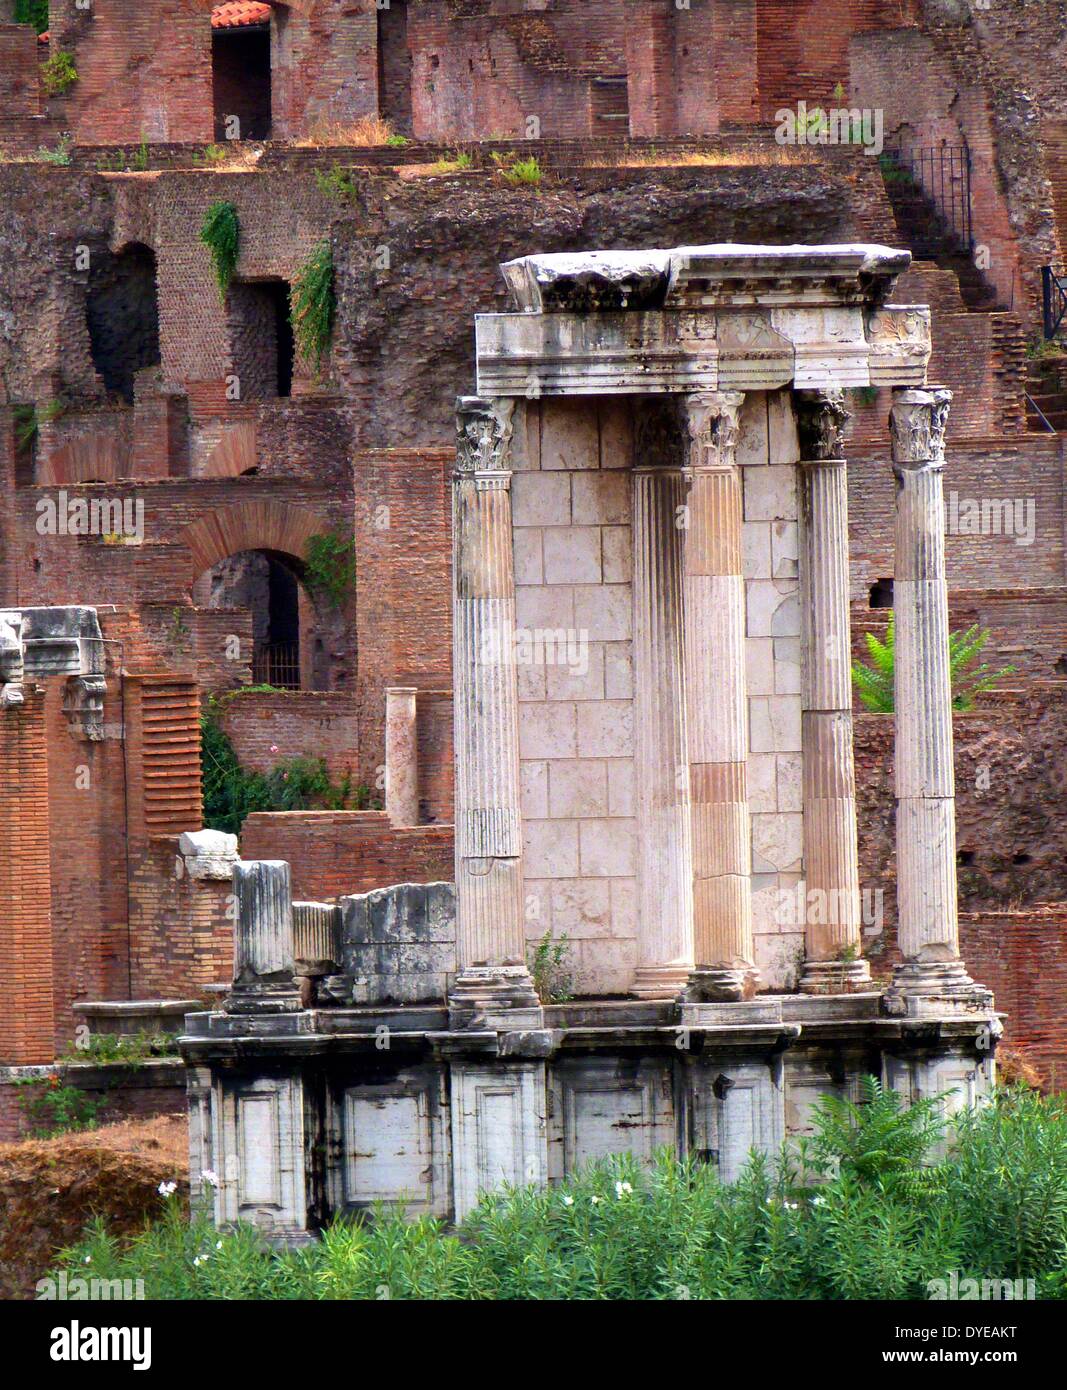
{"x":397,"y":140}
{"x":52,"y":1107}
{"x":220,"y":233}
{"x":549,"y":968}
{"x":60,"y":155}
{"x":338,"y":183}
{"x":874,"y":683}
{"x":313,"y":304}
{"x":58,"y":73}
{"x":458,"y":162}
{"x":518,"y":172}
{"x":105,"y":1049}
{"x":33,"y":12}
{"x":231,"y":792}
{"x":330,"y":567}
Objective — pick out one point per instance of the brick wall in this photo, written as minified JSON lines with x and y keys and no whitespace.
{"x":337,"y":852}
{"x":26,"y":1021}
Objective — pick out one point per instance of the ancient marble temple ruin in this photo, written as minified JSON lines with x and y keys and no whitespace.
{"x":653,"y":741}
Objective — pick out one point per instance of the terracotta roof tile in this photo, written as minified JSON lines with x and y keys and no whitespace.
{"x":235,"y":13}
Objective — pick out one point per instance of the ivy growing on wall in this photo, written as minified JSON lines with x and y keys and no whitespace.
{"x":313,"y":304}
{"x":221,"y":235}
{"x":330,"y":570}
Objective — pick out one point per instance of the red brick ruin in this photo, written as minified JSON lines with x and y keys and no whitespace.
{"x":223,"y":463}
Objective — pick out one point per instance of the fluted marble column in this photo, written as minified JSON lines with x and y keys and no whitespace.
{"x":832,"y":927}
{"x":665,"y":875}
{"x":490,"y":944}
{"x":927,"y":923}
{"x":263,"y":947}
{"x":716,"y":702}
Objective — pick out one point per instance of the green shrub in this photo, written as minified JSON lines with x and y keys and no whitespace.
{"x":230,"y":792}
{"x":52,"y":1107}
{"x":221,"y":234}
{"x":312,"y":305}
{"x":549,"y":969}
{"x":886,"y":1216}
{"x":58,"y":73}
{"x":522,"y":172}
{"x":874,"y":683}
{"x":106,"y":1048}
{"x":330,"y":567}
{"x":33,"y":12}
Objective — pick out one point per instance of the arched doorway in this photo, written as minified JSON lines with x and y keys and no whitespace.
{"x":269,"y":585}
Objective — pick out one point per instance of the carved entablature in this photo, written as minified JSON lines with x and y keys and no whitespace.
{"x":36,"y":643}
{"x":751,"y":318}
{"x":821,"y":421}
{"x":483,"y":435}
{"x":917,"y":424}
{"x":11,"y":664}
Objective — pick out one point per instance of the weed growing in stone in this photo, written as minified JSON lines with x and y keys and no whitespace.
{"x":220,"y":233}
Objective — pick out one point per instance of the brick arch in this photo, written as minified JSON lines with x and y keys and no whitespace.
{"x":304,"y":7}
{"x":94,"y":458}
{"x":234,"y":454}
{"x":252,"y":525}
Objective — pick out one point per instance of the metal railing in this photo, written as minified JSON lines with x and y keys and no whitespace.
{"x":277,"y":663}
{"x":943,"y":173}
{"x":1053,"y":299}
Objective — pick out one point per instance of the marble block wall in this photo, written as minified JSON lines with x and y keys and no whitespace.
{"x":571,"y":501}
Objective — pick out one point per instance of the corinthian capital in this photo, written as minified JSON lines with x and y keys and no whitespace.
{"x":483,"y":434}
{"x":712,"y":419}
{"x":821,"y":421}
{"x":917,"y":425}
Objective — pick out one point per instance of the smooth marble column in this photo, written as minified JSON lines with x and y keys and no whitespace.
{"x":832,"y":925}
{"x":927,"y":922}
{"x":490,"y":943}
{"x":716,"y":702}
{"x":401,"y":756}
{"x":665,"y":873}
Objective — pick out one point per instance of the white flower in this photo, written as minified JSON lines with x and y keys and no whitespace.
{"x":166,"y":1189}
{"x":595,"y":1200}
{"x":196,"y":1260}
{"x":818,"y":1201}
{"x":622,"y":1188}
{"x":218,"y":1245}
{"x":568,"y":1201}
{"x":88,"y":1259}
{"x":209,"y":1177}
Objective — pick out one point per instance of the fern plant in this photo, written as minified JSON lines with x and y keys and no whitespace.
{"x":313,"y":305}
{"x":220,"y":233}
{"x":874,"y":683}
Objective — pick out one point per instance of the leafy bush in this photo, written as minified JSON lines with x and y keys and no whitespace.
{"x":230,"y":792}
{"x":33,"y":12}
{"x":52,"y":1107}
{"x":313,"y":305}
{"x":548,"y":967}
{"x":331,"y":567}
{"x":874,"y":683}
{"x":881,"y":1216}
{"x":58,"y":73}
{"x":221,"y":234}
